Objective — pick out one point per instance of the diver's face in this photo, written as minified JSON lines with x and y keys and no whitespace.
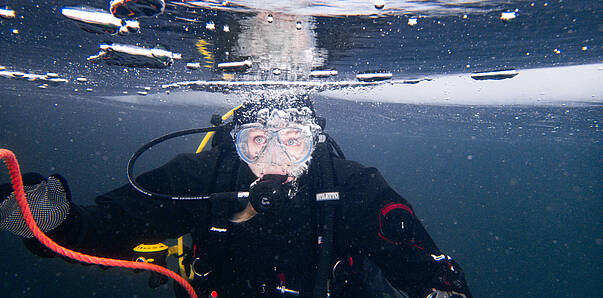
{"x":280,"y":142}
{"x":274,"y":151}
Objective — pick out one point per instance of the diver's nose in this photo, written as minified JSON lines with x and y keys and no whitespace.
{"x":278,"y":156}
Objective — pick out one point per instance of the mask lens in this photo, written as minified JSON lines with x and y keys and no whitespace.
{"x":297,"y":144}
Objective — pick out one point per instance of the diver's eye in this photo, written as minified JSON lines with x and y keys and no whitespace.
{"x":260,"y":140}
{"x":292,"y":142}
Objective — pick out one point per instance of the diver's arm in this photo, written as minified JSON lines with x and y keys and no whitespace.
{"x":124,"y":218}
{"x":389,"y":233}
{"x":410,"y":259}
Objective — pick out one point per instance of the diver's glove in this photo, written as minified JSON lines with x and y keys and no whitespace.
{"x":48,"y":200}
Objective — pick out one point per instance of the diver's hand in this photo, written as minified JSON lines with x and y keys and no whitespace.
{"x":48,"y":200}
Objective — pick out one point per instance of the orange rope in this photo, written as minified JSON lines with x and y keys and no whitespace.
{"x":15,"y":174}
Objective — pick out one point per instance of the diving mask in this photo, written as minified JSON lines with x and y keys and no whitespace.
{"x":279,"y":137}
{"x":288,"y":145}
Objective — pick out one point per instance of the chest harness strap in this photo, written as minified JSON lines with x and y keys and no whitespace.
{"x":326,"y":198}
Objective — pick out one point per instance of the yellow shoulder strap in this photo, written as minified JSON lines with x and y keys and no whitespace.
{"x":211,"y":133}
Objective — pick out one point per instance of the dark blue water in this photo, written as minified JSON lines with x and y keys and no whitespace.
{"x":519,"y":210}
{"x":514,"y":193}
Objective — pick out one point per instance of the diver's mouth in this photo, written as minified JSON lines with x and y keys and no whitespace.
{"x":293,"y":171}
{"x":289,"y":178}
{"x":277,"y":171}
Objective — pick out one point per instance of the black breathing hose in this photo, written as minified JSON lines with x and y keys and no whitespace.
{"x":148,"y":146}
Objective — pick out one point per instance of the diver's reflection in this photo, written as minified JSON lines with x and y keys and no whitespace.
{"x":280,"y":46}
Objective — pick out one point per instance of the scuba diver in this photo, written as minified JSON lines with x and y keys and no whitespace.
{"x":273,"y":209}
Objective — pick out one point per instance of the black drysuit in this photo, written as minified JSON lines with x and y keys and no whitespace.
{"x":376,"y":231}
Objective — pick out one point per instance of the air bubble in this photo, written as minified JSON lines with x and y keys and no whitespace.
{"x":6,"y":13}
{"x":233,"y":66}
{"x":210,"y":25}
{"x":508,"y":15}
{"x":323,"y":73}
{"x":193,"y":65}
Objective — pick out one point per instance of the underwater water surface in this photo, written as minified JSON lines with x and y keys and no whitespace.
{"x":504,"y":171}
